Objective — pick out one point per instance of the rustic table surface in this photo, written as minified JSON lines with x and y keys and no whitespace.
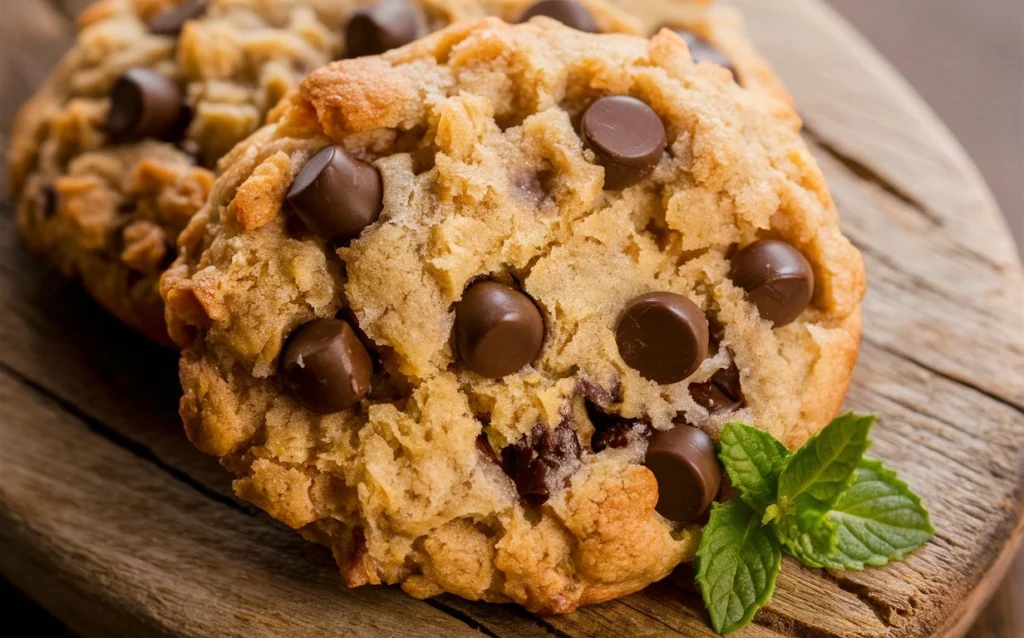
{"x":978,"y":91}
{"x":114,"y":524}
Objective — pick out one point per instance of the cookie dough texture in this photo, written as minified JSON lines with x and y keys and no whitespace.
{"x":109,"y":214}
{"x":474,"y":132}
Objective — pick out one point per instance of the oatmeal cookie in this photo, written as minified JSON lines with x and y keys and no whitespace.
{"x":112,"y":157}
{"x":472,"y":313}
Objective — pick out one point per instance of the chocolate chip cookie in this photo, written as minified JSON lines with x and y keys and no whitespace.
{"x":114,"y":155}
{"x":472,"y":313}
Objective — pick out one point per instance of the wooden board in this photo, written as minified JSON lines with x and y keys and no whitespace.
{"x":114,"y":523}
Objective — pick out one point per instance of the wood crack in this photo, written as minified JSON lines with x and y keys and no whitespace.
{"x":867,"y":173}
{"x":462,"y":617}
{"x":882,"y":611}
{"x":128,"y":444}
{"x":480,"y":625}
{"x":1013,"y":405}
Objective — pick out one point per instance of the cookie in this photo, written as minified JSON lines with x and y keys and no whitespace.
{"x":117,"y":151}
{"x":473,"y":312}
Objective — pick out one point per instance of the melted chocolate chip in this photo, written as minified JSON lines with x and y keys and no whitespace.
{"x":627,"y":136}
{"x":144,"y":103}
{"x":716,"y":331}
{"x":662,"y":335}
{"x":612,"y":430}
{"x":337,"y":195}
{"x":170,"y":21}
{"x":778,"y":279}
{"x":542,"y":462}
{"x":597,"y":393}
{"x":721,"y":393}
{"x":701,"y":50}
{"x":684,"y":463}
{"x":383,"y":26}
{"x":325,"y":367}
{"x":483,"y":446}
{"x":568,"y":12}
{"x":498,"y":329}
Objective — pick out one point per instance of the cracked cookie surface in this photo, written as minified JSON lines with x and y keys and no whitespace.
{"x":358,"y":305}
{"x":107,"y":211}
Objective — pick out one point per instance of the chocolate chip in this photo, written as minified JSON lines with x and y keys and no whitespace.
{"x":612,"y":430}
{"x":627,"y":136}
{"x":325,"y":367}
{"x":619,"y":435}
{"x":383,"y":26}
{"x":701,"y":50}
{"x":337,"y":195}
{"x":662,"y":335}
{"x":498,"y":329}
{"x":171,"y":21}
{"x":684,"y":463}
{"x":177,"y":132}
{"x":568,"y":12}
{"x":542,"y":462}
{"x":777,"y":277}
{"x":144,"y":103}
{"x":721,"y":393}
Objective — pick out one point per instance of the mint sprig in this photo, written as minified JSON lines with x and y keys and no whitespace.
{"x":879,"y":520}
{"x":739,"y":560}
{"x":824,"y":504}
{"x":812,"y":481}
{"x":753,"y":460}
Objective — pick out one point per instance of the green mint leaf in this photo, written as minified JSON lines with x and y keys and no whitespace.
{"x":753,"y":459}
{"x":814,"y":477}
{"x":737,"y":563}
{"x":825,"y":465}
{"x":879,"y":519}
{"x":808,"y":536}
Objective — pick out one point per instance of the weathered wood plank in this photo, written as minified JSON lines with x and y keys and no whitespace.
{"x":115,"y":380}
{"x":171,"y":561}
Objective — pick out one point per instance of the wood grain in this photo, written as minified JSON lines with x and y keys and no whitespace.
{"x":113,"y":522}
{"x":949,"y":50}
{"x":989,"y":66}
